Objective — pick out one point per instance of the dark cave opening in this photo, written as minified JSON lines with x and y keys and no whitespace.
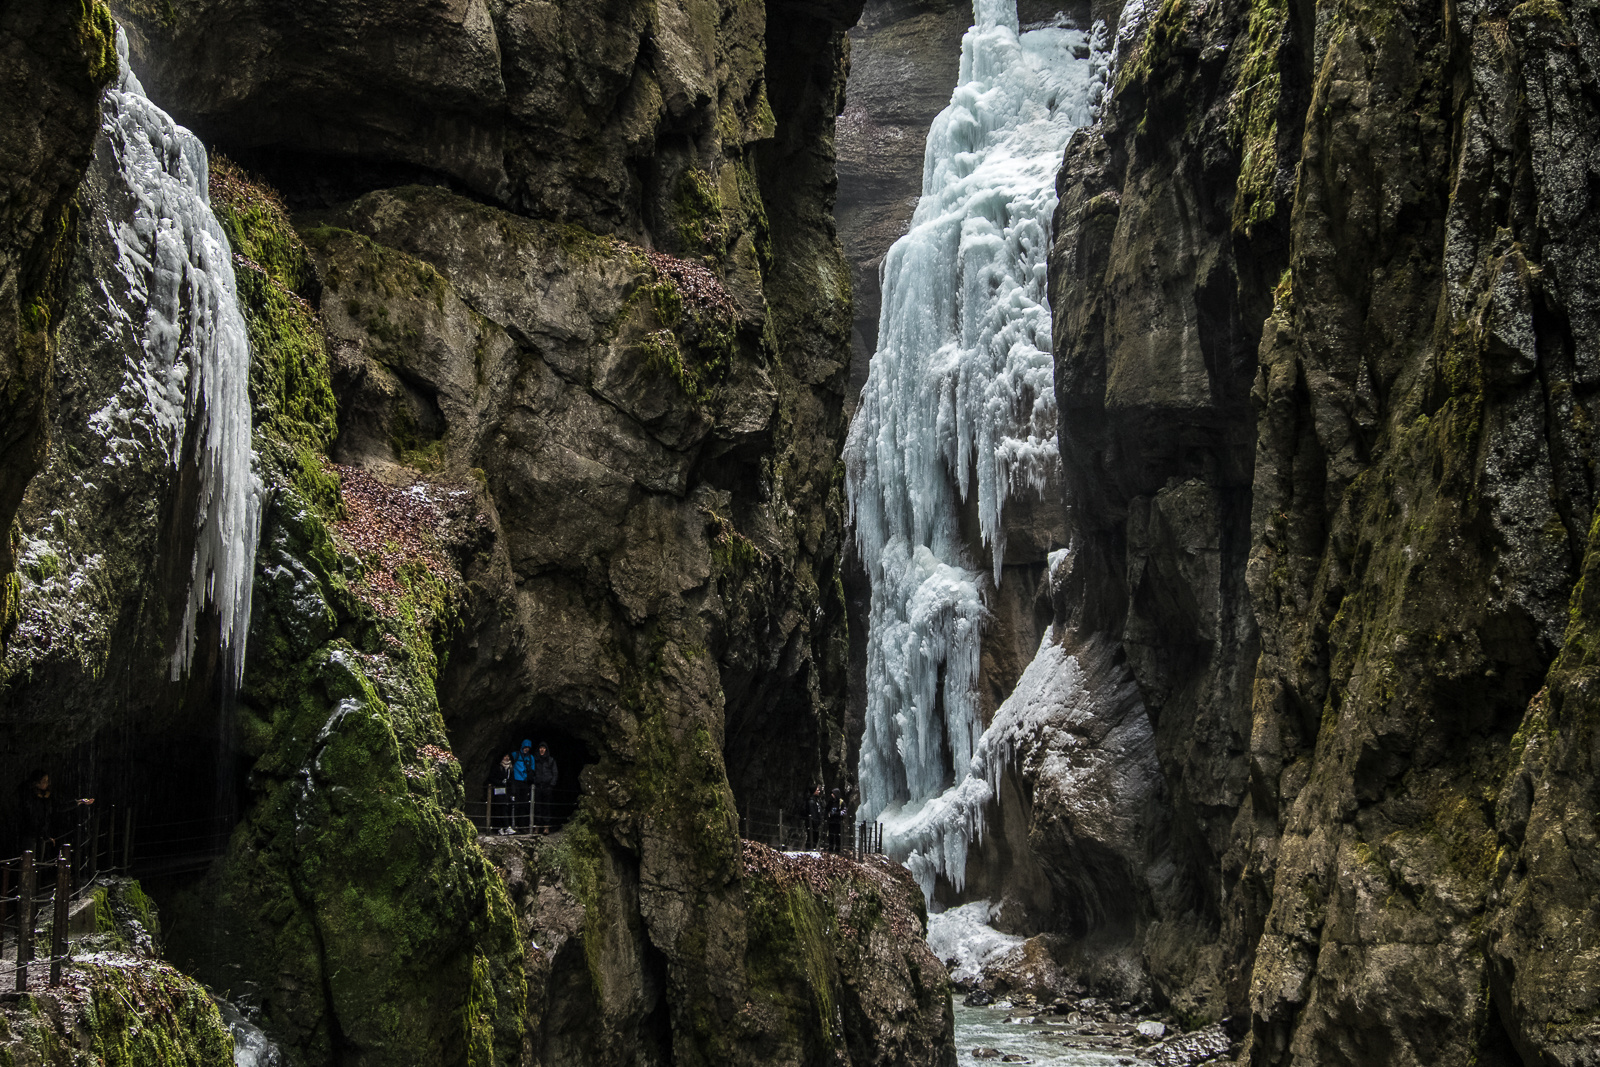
{"x":570,"y":752}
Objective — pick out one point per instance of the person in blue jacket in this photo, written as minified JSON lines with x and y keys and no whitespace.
{"x":522,"y":786}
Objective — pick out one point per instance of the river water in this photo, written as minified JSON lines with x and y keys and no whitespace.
{"x":1052,"y":1042}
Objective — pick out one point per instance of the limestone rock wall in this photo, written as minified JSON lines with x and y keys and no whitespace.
{"x":550,"y":329}
{"x":838,"y":961}
{"x":54,"y":60}
{"x":1324,"y":293}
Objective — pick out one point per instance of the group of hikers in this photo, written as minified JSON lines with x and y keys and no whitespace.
{"x":521,"y":790}
{"x":45,"y":819}
{"x":817,"y":811}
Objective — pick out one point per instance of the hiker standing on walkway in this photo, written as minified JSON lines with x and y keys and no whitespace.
{"x":814,"y":810}
{"x":44,"y":822}
{"x":838,"y":812}
{"x":522,"y":786}
{"x":545,"y":774}
{"x":500,"y":785}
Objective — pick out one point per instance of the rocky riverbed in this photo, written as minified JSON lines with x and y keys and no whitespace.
{"x":1084,"y":1031}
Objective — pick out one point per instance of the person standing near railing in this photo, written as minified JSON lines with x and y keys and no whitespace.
{"x":815,"y":808}
{"x":44,"y":824}
{"x":545,"y":775}
{"x":838,"y":814}
{"x":522,"y":786}
{"x":500,"y":786}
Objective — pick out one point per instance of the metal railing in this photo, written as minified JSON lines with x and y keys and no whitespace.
{"x":545,"y":810}
{"x":19,"y":901}
{"x":775,"y":827}
{"x":787,"y":831}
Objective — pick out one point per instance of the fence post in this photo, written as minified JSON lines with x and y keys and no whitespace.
{"x":5,"y":895}
{"x":58,"y":928}
{"x":127,"y":841}
{"x":94,"y":845}
{"x":25,"y":922}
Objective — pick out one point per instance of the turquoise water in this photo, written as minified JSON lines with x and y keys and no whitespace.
{"x":1052,"y":1042}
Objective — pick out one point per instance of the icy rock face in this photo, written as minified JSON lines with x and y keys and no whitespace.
{"x":144,"y":517}
{"x":178,"y":298}
{"x":1076,"y":729}
{"x":963,"y":935}
{"x":960,"y":396}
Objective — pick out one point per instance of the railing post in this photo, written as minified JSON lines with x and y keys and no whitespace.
{"x":25,"y":922}
{"x":58,"y":929}
{"x":94,"y":846}
{"x":5,"y":895}
{"x":127,"y":841}
{"x":781,"y":841}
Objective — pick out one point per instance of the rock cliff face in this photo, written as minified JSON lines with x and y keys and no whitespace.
{"x":1324,"y":286}
{"x":54,"y":60}
{"x":837,"y":958}
{"x":550,"y":329}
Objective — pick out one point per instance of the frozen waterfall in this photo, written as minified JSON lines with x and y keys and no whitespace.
{"x":960,"y":399}
{"x":194,"y":353}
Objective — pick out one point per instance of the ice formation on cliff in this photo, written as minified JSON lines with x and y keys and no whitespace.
{"x":960,"y":398}
{"x":194,"y":352}
{"x":963,"y":934}
{"x":931,"y":836}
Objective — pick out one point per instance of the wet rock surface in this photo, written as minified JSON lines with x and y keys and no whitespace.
{"x":550,"y":436}
{"x":834,"y":951}
{"x":1327,"y":453}
{"x":54,"y":60}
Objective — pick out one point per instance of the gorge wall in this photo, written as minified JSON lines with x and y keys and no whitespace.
{"x":1324,"y":286}
{"x":1288,"y":677}
{"x":549,"y":332}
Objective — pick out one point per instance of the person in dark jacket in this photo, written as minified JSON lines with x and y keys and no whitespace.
{"x":814,"y":811}
{"x":838,"y":812}
{"x":545,"y":775}
{"x":522,"y":785}
{"x":45,"y":826}
{"x":500,"y":784}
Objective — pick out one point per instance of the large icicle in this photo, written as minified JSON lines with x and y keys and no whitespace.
{"x":960,"y":397}
{"x":176,"y":262}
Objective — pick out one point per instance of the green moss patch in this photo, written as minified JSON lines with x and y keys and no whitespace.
{"x":695,"y":343}
{"x":1253,"y":116}
{"x":291,"y":389}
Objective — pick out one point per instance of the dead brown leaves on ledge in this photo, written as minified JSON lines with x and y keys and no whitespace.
{"x":842,"y":880}
{"x":389,"y":527}
{"x":699,"y":287}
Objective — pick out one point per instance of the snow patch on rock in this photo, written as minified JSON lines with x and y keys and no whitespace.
{"x":964,"y":935}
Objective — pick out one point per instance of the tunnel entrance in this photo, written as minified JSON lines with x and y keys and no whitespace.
{"x":546,"y":809}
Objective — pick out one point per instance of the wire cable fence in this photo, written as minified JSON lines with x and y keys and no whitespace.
{"x":789,"y":831}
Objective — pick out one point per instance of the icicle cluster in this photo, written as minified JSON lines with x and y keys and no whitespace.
{"x":195,"y":353}
{"x":960,"y":398}
{"x":931,"y":836}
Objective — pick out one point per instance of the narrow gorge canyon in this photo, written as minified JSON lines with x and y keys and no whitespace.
{"x":1141,"y":455}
